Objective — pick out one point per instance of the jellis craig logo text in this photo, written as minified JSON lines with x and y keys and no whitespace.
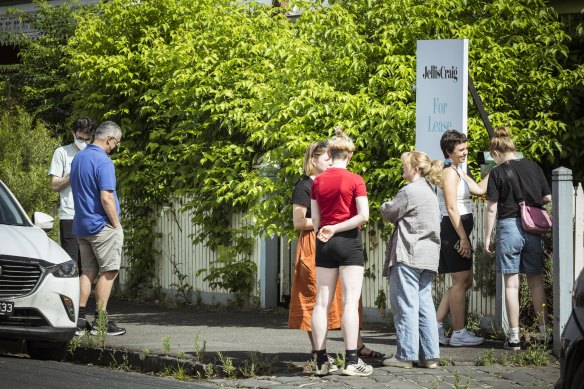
{"x":441,"y":72}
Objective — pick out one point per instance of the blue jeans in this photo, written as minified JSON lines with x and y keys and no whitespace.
{"x":516,"y":250}
{"x":414,"y":315}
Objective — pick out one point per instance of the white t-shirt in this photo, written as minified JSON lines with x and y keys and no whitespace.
{"x":462,"y":197}
{"x":61,"y":167}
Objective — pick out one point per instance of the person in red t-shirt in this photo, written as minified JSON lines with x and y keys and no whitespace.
{"x":339,"y":208}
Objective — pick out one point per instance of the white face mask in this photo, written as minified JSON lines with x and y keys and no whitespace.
{"x":80,"y":144}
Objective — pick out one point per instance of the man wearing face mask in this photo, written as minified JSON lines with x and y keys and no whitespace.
{"x":96,"y":223}
{"x":59,"y":172}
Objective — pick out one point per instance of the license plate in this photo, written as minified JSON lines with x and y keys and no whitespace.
{"x":6,"y":308}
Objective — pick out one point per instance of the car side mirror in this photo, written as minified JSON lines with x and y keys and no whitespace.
{"x":43,"y":221}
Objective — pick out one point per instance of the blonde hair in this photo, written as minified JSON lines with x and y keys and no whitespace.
{"x":340,"y":145}
{"x":314,"y":150}
{"x":502,"y":142}
{"x":429,"y":169}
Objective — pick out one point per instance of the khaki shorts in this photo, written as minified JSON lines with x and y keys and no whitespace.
{"x":102,"y":251}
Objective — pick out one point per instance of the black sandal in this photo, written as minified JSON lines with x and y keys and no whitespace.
{"x":370,"y":354}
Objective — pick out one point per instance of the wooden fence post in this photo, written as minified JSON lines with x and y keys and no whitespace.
{"x":563,"y":211}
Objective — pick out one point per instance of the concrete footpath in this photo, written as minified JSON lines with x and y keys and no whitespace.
{"x":261,"y":347}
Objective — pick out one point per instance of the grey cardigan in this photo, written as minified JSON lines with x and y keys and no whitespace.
{"x":416,"y":236}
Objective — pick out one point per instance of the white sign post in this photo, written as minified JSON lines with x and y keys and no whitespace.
{"x":441,"y":91}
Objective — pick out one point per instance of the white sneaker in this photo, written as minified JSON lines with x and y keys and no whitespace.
{"x":442,"y":339}
{"x":394,"y":362}
{"x":465,"y":338}
{"x":359,"y":368}
{"x":324,"y":369}
{"x":428,"y":364}
{"x":332,"y":366}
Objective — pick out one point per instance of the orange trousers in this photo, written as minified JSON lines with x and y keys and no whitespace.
{"x":303,"y":294}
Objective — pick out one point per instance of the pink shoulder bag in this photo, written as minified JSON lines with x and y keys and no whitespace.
{"x":533,"y":219}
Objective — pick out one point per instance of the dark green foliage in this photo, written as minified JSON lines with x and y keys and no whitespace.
{"x":26,"y":148}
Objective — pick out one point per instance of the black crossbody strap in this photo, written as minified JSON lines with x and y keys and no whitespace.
{"x":517,"y":192}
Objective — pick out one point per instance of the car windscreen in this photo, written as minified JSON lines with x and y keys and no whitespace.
{"x":10,"y":212}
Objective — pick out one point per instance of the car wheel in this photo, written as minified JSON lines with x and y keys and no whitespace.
{"x":47,"y":350}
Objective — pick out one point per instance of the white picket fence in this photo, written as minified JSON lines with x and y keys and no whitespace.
{"x":176,"y":246}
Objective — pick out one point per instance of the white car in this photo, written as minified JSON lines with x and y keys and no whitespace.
{"x":39,"y":283}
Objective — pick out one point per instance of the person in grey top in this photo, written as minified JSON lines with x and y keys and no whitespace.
{"x":411,"y":261}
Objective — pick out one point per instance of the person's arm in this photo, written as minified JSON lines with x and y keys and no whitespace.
{"x":315,"y":213}
{"x":301,"y":222}
{"x":393,"y":210}
{"x":477,"y":189}
{"x":109,"y":205}
{"x":489,"y":222}
{"x":59,"y":183}
{"x":361,"y":217}
{"x":451,"y":180}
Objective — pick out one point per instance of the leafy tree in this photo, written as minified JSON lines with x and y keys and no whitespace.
{"x":220,"y":99}
{"x":39,"y":82}
{"x":26,"y":148}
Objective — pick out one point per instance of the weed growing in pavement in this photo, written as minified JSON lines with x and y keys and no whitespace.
{"x":75,"y":342}
{"x":227,"y":366}
{"x":444,"y":362}
{"x":458,"y":384}
{"x":179,"y":373}
{"x":289,"y":367}
{"x":487,"y":359}
{"x":166,"y":344}
{"x":101,"y":326}
{"x":340,"y":360}
{"x":123,"y":366}
{"x":210,"y":370}
{"x":181,"y":354}
{"x":533,"y":356}
{"x":248,"y":370}
{"x":262,"y":365}
{"x":473,"y":322}
{"x":199,"y":350}
{"x":146,"y":351}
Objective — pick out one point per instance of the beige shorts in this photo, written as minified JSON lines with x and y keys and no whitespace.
{"x":103,"y":251}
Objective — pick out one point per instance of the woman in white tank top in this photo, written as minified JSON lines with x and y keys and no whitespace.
{"x":456,"y":251}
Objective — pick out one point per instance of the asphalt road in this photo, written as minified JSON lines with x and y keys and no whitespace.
{"x":18,"y":372}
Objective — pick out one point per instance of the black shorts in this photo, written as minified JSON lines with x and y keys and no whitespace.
{"x":450,"y":260}
{"x":343,"y":249}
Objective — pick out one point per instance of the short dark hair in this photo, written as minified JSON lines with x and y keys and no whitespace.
{"x":84,"y":125}
{"x":450,"y":139}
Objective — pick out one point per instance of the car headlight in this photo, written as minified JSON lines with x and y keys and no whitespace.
{"x":65,"y":270}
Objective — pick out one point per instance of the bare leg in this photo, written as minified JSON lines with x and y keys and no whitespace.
{"x":326,"y":284}
{"x":461,"y":282}
{"x":351,"y":282}
{"x":85,"y":282}
{"x":537,"y":288}
{"x":103,"y":289}
{"x":512,"y":298}
{"x":311,"y":341}
{"x":444,"y":308}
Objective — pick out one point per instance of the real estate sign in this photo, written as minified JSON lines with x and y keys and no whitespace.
{"x":441,"y":91}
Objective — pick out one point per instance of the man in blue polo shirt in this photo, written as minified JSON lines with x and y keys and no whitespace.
{"x":96,"y":223}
